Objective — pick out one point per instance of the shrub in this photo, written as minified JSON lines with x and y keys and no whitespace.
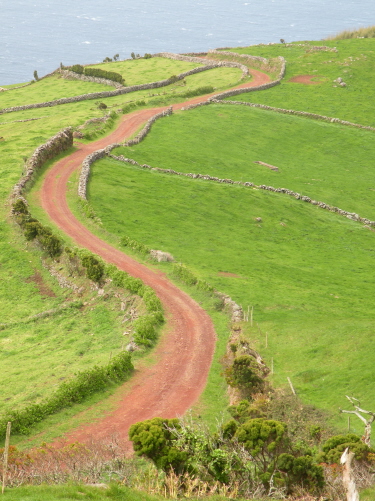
{"x":173,"y":78}
{"x":36,"y":78}
{"x":109,"y":75}
{"x":94,"y":267}
{"x":334,"y":447}
{"x":153,"y":439}
{"x":302,"y":471}
{"x":77,"y":68}
{"x":244,"y":374}
{"x":147,"y":56}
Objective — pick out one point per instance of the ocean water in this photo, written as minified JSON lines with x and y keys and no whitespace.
{"x":39,"y":34}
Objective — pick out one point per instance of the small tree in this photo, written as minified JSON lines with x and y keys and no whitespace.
{"x":36,"y":75}
{"x":116,"y":56}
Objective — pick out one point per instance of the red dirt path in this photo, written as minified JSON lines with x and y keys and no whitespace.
{"x":305,"y":79}
{"x":184,"y":354}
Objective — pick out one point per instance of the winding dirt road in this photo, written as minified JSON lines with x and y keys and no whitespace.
{"x":184,"y":354}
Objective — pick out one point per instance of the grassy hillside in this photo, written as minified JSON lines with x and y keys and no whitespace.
{"x":63,"y":339}
{"x":354,"y":62}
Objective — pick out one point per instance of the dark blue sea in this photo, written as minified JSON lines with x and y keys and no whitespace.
{"x":39,"y":34}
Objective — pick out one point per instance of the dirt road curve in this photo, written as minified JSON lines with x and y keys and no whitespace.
{"x":184,"y":354}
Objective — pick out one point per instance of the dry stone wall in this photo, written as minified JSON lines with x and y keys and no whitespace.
{"x":71,"y":75}
{"x":103,"y":94}
{"x":96,"y":155}
{"x":350,"y":215}
{"x":246,"y":57}
{"x":235,"y":92}
{"x":62,"y":141}
{"x":212,"y":62}
{"x":293,"y":112}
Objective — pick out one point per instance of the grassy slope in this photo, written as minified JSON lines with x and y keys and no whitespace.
{"x":310,"y":281}
{"x":68,"y":341}
{"x":354,"y":62}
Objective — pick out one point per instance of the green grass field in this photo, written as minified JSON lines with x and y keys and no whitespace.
{"x":306,"y":285}
{"x":73,"y":339}
{"x":354,"y":62}
{"x":307,"y":272}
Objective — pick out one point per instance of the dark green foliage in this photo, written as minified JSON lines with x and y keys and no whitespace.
{"x":19,"y":207}
{"x":102,"y":106}
{"x":109,"y":75}
{"x":265,"y":440}
{"x":116,"y":56}
{"x":302,"y":471}
{"x":144,"y":329}
{"x":51,"y":244}
{"x":173,"y":79}
{"x":147,"y":56}
{"x":84,"y":384}
{"x":77,"y":68}
{"x":36,"y":75}
{"x":244,"y":374}
{"x":229,"y":429}
{"x":107,"y":60}
{"x":244,"y":411}
{"x":132,"y":55}
{"x":94,"y":267}
{"x":34,"y":230}
{"x":334,"y":447}
{"x":153,"y":439}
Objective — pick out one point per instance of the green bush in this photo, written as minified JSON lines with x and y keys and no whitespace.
{"x":77,"y":68}
{"x":109,"y":75}
{"x":334,"y":447}
{"x":244,"y":374}
{"x":94,"y":267}
{"x":302,"y":471}
{"x":153,"y":439}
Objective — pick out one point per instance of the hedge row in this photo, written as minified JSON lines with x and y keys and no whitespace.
{"x":185,"y":275}
{"x":83,"y":385}
{"x":34,"y":230}
{"x":145,"y":327}
{"x":98,"y":73}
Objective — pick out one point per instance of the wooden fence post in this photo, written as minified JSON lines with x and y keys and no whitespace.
{"x":6,"y":452}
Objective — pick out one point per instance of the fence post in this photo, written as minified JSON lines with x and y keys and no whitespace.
{"x":6,"y":452}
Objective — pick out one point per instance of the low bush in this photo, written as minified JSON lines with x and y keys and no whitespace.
{"x":109,"y":75}
{"x":77,"y":68}
{"x":94,"y":267}
{"x":34,"y":230}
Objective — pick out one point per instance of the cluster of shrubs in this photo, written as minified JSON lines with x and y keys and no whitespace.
{"x":253,"y":455}
{"x":34,"y":230}
{"x":83,"y":385}
{"x":98,"y":73}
